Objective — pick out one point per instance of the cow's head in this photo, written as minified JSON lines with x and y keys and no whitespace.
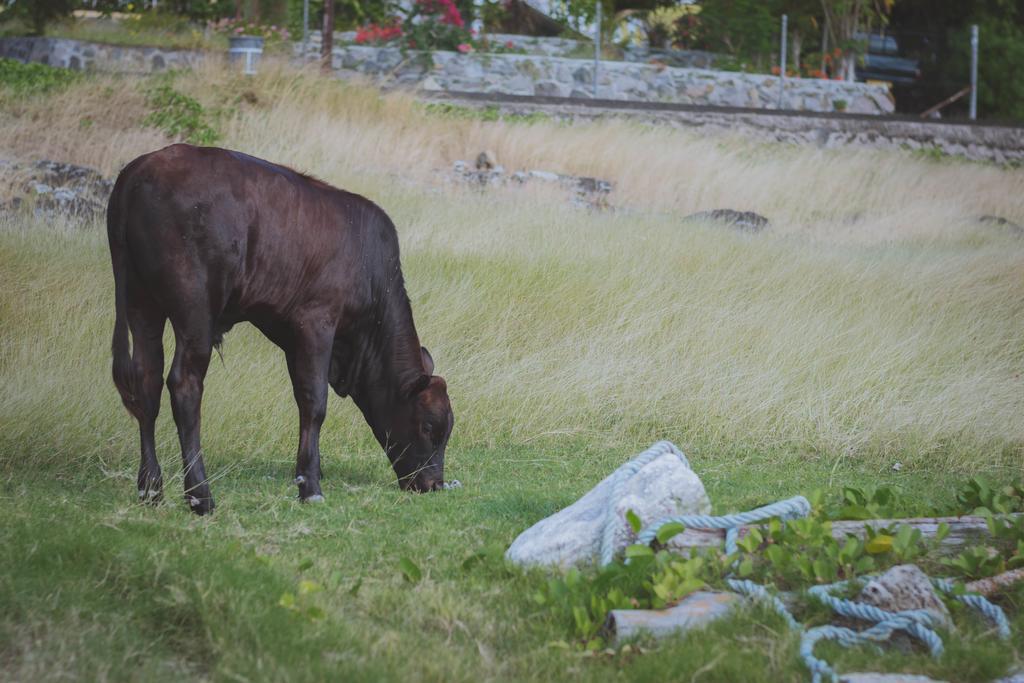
{"x":418,"y":434}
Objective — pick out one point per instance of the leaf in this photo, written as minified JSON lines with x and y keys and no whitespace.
{"x":634,"y":521}
{"x":941,"y":532}
{"x":882,"y":543}
{"x":305,"y":564}
{"x":315,"y":613}
{"x":864,"y":564}
{"x":746,"y":567}
{"x":287,"y":600}
{"x":638,"y":550}
{"x":354,"y":590}
{"x":669,"y":531}
{"x":307,"y":587}
{"x":409,"y":570}
{"x":856,"y":512}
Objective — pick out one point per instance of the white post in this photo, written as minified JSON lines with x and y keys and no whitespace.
{"x":597,"y":47}
{"x":782,"y":68}
{"x":305,"y":30}
{"x":974,"y":72}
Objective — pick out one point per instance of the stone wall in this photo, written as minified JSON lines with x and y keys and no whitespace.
{"x":516,"y":74}
{"x":511,"y":74}
{"x":81,"y":56}
{"x":992,"y":143}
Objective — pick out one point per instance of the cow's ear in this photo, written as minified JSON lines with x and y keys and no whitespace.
{"x":428,"y":360}
{"x":421,"y":383}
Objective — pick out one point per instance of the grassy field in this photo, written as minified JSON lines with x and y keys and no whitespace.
{"x":876,"y":322}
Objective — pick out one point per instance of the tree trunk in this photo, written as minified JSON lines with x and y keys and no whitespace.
{"x":796,"y":43}
{"x":327,"y":41}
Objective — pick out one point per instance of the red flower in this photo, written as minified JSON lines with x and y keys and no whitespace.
{"x":464,"y":48}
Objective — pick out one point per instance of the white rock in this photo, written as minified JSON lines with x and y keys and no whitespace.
{"x":905,"y":587}
{"x":662,"y":488}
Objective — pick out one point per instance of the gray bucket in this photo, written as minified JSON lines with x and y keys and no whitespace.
{"x":245,"y":49}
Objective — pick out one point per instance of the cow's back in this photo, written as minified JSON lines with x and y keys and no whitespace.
{"x":242,"y":235}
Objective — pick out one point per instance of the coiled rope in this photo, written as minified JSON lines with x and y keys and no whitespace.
{"x":917,"y":623}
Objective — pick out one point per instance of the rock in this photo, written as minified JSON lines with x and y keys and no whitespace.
{"x":486,"y":161}
{"x":742,"y":220}
{"x":664,"y":487}
{"x":1014,"y":677}
{"x":695,"y":611}
{"x":1004,"y":223}
{"x":52,"y":187}
{"x":884,"y":678}
{"x":585,"y":191}
{"x":905,"y":587}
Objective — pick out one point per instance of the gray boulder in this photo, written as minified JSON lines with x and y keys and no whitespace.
{"x":663,"y":487}
{"x":53,"y":187}
{"x":747,"y":221}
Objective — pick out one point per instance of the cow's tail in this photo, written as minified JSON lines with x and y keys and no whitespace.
{"x":126,"y":372}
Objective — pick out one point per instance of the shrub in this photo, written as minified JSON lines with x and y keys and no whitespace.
{"x":179,"y":115}
{"x":26,"y":79}
{"x":436,"y":25}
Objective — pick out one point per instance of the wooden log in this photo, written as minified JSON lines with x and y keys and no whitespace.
{"x":994,"y":584}
{"x":962,"y":530}
{"x":695,"y":611}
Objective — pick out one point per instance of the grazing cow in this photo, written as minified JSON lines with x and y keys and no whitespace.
{"x":206,"y":238}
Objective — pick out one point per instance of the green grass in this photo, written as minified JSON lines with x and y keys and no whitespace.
{"x":150,"y":30}
{"x":94,"y":586}
{"x":815,"y":355}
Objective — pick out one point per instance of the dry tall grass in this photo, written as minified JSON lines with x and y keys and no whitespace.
{"x":876,"y":319}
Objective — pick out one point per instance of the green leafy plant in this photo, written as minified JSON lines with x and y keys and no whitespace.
{"x":179,"y":115}
{"x":979,"y":497}
{"x":31,"y":79}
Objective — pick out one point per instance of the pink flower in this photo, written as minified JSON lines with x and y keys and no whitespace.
{"x":239,"y":29}
{"x":464,"y":48}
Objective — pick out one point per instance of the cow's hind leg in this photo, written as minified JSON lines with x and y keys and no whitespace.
{"x":308,"y":364}
{"x":147,"y":326}
{"x":193,"y":345}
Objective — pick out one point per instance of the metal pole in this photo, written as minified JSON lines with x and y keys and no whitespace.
{"x":597,"y":48}
{"x":974,"y":72}
{"x":305,"y":30}
{"x":782,"y":68}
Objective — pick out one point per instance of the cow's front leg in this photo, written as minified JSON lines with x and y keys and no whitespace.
{"x":308,"y":365}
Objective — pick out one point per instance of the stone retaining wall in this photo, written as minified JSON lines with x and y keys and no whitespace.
{"x":998,"y":144}
{"x":512,"y":74}
{"x":81,"y":56}
{"x":516,"y":74}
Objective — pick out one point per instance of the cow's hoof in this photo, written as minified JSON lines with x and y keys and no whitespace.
{"x":200,"y":506}
{"x":150,"y":496}
{"x":315,"y":498}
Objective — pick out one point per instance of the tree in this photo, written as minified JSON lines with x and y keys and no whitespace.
{"x":845,"y":20}
{"x":37,"y":13}
{"x":327,"y":37}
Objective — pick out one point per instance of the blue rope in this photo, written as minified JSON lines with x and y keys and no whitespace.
{"x":917,"y":623}
{"x":792,"y":508}
{"x":760,"y":593}
{"x":993,"y":613}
